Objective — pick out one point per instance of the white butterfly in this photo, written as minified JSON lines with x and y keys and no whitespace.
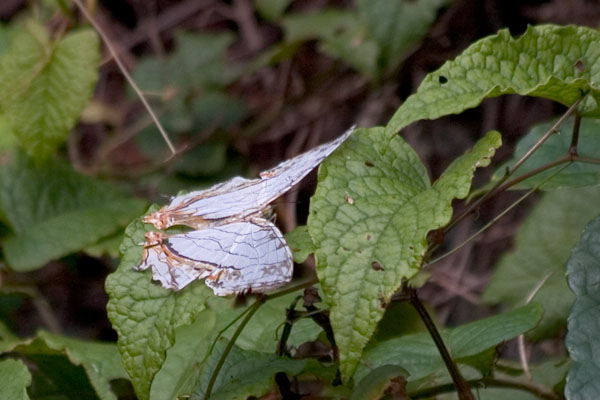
{"x":234,"y":246}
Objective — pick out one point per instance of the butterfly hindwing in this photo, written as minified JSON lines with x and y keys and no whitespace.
{"x":249,"y":255}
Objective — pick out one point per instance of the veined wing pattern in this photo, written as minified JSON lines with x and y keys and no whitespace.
{"x":233,"y":247}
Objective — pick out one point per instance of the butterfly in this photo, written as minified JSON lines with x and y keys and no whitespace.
{"x":234,"y":244}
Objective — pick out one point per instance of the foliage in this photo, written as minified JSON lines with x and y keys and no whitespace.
{"x":553,"y":62}
{"x":578,"y":174}
{"x":582,"y":342}
{"x":542,"y":248}
{"x":45,"y":85}
{"x":394,"y":207}
{"x":374,"y":222}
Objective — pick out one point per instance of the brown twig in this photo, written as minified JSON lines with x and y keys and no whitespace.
{"x":462,"y":386}
{"x":499,"y":187}
{"x":487,"y":382}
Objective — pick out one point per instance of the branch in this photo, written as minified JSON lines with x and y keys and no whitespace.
{"x":462,"y":386}
{"x":536,"y":390}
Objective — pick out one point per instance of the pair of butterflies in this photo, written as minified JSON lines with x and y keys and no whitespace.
{"x":234,"y":246}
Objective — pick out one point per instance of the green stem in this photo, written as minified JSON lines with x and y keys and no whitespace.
{"x":253,"y":308}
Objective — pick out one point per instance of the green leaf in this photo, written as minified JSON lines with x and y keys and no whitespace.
{"x":300,"y":243}
{"x":370,"y":216}
{"x":199,"y":61}
{"x":144,"y":314}
{"x":418,"y":354}
{"x":542,"y":248}
{"x":271,"y":9}
{"x":193,"y":81}
{"x":576,"y":175}
{"x":46,"y":84}
{"x":397,"y":26}
{"x":101,"y":361}
{"x":263,"y":331}
{"x":14,"y":379}
{"x":54,"y":211}
{"x":582,"y":339}
{"x":374,"y":385}
{"x":180,"y":372}
{"x":6,"y":34}
{"x":7,"y":339}
{"x":106,"y":246}
{"x":549,"y":61}
{"x":340,"y":35}
{"x":547,"y":377}
{"x":73,"y":366}
{"x":181,"y":368}
{"x":245,"y":373}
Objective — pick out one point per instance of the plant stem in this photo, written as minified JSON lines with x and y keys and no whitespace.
{"x":462,"y":387}
{"x":292,"y":289}
{"x":493,"y":221}
{"x":575,"y":135}
{"x":536,"y":390}
{"x":497,"y":187}
{"x":253,"y":308}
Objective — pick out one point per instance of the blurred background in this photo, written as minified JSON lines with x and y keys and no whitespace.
{"x":241,"y":85}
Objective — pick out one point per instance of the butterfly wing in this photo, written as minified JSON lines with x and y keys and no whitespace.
{"x":241,"y":197}
{"x":247,"y":255}
{"x":172,"y":271}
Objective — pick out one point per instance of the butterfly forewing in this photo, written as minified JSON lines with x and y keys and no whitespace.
{"x":241,"y":197}
{"x":248,"y":256}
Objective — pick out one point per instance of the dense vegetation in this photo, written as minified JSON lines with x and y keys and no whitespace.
{"x":417,"y":263}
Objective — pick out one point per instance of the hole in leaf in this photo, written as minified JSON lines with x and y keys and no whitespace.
{"x":442,"y":79}
{"x":376,"y":266}
{"x":369,"y":164}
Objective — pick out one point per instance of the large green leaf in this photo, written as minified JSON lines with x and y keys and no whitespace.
{"x":53,"y":210}
{"x":542,"y":248}
{"x":14,"y":379}
{"x":369,"y":220}
{"x":582,"y":341}
{"x":45,"y":84}
{"x":548,"y":61}
{"x":245,"y":373}
{"x":575,"y":175}
{"x":418,"y":354}
{"x":144,"y":314}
